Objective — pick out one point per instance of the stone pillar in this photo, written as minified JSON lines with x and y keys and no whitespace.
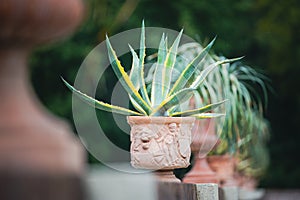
{"x":39,"y":157}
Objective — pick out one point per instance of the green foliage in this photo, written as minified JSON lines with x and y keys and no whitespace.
{"x":266,"y":32}
{"x":253,"y":154}
{"x":234,"y":82}
{"x":244,"y":131}
{"x":238,"y":81}
{"x":170,"y":95}
{"x":276,"y":30}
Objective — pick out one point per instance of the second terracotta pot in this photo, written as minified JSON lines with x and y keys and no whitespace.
{"x":224,"y":166}
{"x":203,"y":140}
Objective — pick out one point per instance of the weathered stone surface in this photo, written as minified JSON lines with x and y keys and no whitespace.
{"x":208,"y":191}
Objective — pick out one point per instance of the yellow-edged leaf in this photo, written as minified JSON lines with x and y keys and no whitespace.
{"x":199,"y":80}
{"x":134,"y":72}
{"x":156,"y":89}
{"x":190,"y":69}
{"x":208,"y":115}
{"x":203,"y":109}
{"x":124,"y":78}
{"x":169,"y":65}
{"x":99,"y":104}
{"x":175,"y":99}
{"x":141,"y":66}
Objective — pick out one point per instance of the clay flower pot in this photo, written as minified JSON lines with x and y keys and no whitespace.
{"x":160,"y":143}
{"x":247,"y":182}
{"x":203,"y":140}
{"x":224,"y":166}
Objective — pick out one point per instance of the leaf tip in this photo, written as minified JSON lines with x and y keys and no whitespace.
{"x":213,"y":40}
{"x":65,"y":82}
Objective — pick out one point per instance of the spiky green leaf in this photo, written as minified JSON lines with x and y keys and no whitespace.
{"x":175,"y":99}
{"x":169,"y":65}
{"x":99,"y":104}
{"x":203,"y":109}
{"x":190,"y":69}
{"x":141,"y":65}
{"x":134,"y":77}
{"x":156,"y":89}
{"x":199,"y":80}
{"x":134,"y":72}
{"x":208,"y":115}
{"x":124,"y":78}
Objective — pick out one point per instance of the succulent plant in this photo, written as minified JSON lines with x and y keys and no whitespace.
{"x":165,"y":95}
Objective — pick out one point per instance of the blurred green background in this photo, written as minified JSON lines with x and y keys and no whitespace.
{"x":267,"y":32}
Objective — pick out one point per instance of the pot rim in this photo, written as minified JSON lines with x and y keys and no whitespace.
{"x":159,"y":120}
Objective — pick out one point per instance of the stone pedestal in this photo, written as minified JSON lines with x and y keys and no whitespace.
{"x":35,"y":146}
{"x":166,"y":176}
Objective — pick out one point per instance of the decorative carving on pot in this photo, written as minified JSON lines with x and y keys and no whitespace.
{"x":160,"y":143}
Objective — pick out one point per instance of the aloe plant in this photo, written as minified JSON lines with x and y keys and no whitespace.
{"x":165,"y":95}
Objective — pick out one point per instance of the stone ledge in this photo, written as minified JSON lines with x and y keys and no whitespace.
{"x":207,"y":191}
{"x":111,"y":184}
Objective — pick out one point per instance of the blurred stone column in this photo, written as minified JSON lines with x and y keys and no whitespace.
{"x":39,"y":157}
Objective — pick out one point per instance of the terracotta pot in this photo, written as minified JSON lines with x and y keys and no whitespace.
{"x":160,"y":143}
{"x":203,"y":140}
{"x":224,"y":166}
{"x":247,"y":182}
